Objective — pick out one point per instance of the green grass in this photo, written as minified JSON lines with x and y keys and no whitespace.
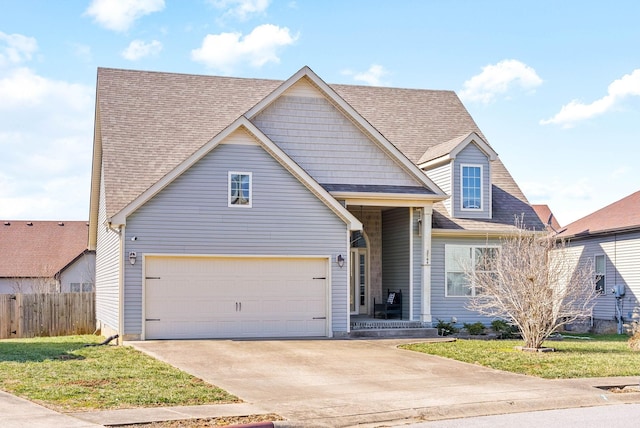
{"x":602,"y":356}
{"x":62,"y":373}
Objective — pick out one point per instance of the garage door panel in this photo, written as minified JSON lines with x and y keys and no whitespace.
{"x":192,"y":297}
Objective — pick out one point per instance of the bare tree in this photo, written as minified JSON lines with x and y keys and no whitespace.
{"x":36,"y":284}
{"x":532,"y":282}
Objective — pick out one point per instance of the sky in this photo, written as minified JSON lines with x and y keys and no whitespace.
{"x":553,"y":85}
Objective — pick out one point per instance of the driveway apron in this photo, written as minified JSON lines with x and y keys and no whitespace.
{"x":348,"y":382}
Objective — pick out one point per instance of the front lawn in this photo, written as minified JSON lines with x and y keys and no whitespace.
{"x":598,"y":356}
{"x":64,"y":374}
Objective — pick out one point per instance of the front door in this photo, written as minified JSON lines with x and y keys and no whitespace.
{"x":359,"y":290}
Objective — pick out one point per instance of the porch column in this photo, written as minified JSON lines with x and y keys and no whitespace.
{"x":425,"y":315}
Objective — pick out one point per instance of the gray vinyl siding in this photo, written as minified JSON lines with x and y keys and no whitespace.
{"x":622,"y":266}
{"x":441,"y":176}
{"x":107,"y":270}
{"x":327,"y":145}
{"x":396,"y":254}
{"x":191,"y":216}
{"x":442,"y":307}
{"x":471,"y":155}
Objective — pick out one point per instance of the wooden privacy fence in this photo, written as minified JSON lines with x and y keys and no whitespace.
{"x":53,"y":314}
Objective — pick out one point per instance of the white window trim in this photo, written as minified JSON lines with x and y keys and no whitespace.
{"x":446,"y":267}
{"x":481,"y":208}
{"x":604,"y":274}
{"x":229,"y":204}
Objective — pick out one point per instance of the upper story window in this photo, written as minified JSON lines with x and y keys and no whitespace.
{"x":471,"y":187}
{"x":240,"y":189}
{"x":600,"y":273}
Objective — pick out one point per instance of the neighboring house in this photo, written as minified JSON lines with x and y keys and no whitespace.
{"x":230,"y":207}
{"x":610,"y":238}
{"x":547,"y":218}
{"x":45,"y":256}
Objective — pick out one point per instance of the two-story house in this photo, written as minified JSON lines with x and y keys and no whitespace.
{"x":230,"y":207}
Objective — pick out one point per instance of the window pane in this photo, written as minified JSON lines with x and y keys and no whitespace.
{"x":240,"y":189}
{"x":357,"y":240}
{"x":244,"y":182}
{"x":471,"y":187}
{"x":485,"y":258}
{"x":457,"y":258}
{"x":600,"y":273}
{"x":457,"y":284}
{"x":600,"y":264}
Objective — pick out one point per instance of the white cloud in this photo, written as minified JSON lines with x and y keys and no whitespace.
{"x":373,"y":76}
{"x":46,"y":130}
{"x":498,"y":79}
{"x":21,"y":87}
{"x":242,"y":9}
{"x":621,"y":172}
{"x":82,"y":51}
{"x":139,"y":49}
{"x":119,"y":15}
{"x":16,"y":48}
{"x":223,"y":51}
{"x":580,"y":189}
{"x":575,"y":111}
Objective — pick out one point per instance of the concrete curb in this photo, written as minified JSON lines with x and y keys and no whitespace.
{"x":159,"y":414}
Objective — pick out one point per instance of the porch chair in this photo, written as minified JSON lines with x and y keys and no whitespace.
{"x":390,"y":307}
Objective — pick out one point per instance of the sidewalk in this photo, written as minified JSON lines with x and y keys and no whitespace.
{"x":16,"y":412}
{"x":157,"y":414}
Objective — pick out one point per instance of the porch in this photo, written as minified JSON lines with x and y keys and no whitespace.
{"x":390,"y":257}
{"x":362,"y":326}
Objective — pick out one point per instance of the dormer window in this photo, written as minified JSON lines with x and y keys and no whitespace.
{"x":471,"y":194}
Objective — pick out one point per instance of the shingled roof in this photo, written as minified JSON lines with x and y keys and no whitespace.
{"x":623,"y":215}
{"x":149,"y":122}
{"x":40,"y":249}
{"x":546,"y":217}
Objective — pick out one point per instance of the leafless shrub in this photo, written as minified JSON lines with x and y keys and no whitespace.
{"x":532,"y":282}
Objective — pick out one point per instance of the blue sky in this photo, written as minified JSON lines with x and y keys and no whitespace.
{"x":554,"y":85}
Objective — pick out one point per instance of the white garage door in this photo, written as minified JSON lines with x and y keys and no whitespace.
{"x":203,"y":297}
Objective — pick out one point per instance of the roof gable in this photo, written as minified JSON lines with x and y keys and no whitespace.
{"x":618,"y":216}
{"x":447,"y":151}
{"x":34,"y":249}
{"x":269,"y":146}
{"x":150,"y":122}
{"x":306,"y":75}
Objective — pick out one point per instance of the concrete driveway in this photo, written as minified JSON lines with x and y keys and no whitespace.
{"x":349,"y":382}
